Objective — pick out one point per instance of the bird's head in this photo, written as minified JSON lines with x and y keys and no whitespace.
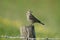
{"x":29,"y":12}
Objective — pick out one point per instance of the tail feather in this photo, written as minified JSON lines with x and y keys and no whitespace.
{"x":42,"y":23}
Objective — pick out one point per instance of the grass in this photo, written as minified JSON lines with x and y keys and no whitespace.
{"x":13,"y":16}
{"x":12,"y":30}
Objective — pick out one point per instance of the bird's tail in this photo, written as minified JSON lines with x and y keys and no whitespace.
{"x":42,"y":23}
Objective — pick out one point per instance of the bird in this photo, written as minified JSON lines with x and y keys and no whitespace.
{"x":31,"y":18}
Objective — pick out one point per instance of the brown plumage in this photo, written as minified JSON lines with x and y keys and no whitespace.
{"x":32,"y":19}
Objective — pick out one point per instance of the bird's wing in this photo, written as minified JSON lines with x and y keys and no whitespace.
{"x":34,"y":18}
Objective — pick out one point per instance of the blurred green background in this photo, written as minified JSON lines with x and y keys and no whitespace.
{"x":13,"y":16}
